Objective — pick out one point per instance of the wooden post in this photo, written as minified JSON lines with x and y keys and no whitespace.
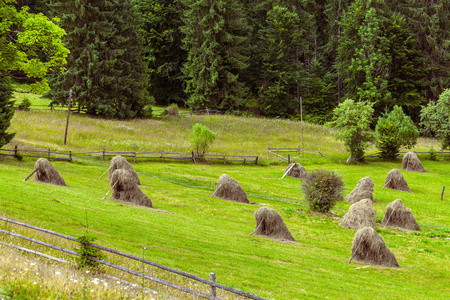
{"x":212,"y":277}
{"x":442,"y":194}
{"x":68,"y":115}
{"x":224,"y":162}
{"x":301,"y":120}
{"x":49,"y":152}
{"x":268,"y":150}
{"x":134,"y":156}
{"x":70,"y":155}
{"x":28,"y":177}
{"x":256,"y":160}
{"x":103,"y":154}
{"x":15,"y":151}
{"x":289,"y":159}
{"x":162,"y":155}
{"x":193,"y":157}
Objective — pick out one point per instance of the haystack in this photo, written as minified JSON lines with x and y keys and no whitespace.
{"x":271,"y":225}
{"x":395,"y":181}
{"x":360,"y":214}
{"x":363,"y":190}
{"x":296,"y":170}
{"x":119,"y":162}
{"x":229,"y":189}
{"x":412,"y":163}
{"x":46,"y":172}
{"x":369,"y":247}
{"x":125,"y":189}
{"x":398,"y":215}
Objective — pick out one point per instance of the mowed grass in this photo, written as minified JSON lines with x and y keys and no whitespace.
{"x":195,"y":233}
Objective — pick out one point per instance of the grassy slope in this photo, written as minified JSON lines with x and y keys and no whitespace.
{"x":202,"y":235}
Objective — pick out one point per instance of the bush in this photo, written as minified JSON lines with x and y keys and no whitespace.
{"x":395,"y":130}
{"x":352,"y":119}
{"x":85,"y":251}
{"x":25,"y":104}
{"x":434,"y":118}
{"x":322,"y":189}
{"x":201,"y":138}
{"x":432,"y":153}
{"x":171,"y":110}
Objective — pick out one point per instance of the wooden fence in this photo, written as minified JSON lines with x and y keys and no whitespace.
{"x":275,"y":151}
{"x":211,"y":282}
{"x":159,"y":155}
{"x":419,"y":153}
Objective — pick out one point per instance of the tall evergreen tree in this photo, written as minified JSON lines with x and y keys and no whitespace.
{"x":214,"y":40}
{"x":163,"y":41}
{"x":106,"y":69}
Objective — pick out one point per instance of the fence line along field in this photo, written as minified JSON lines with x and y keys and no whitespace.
{"x":188,"y":230}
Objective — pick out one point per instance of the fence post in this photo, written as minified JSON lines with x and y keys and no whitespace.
{"x":224,"y":160}
{"x":70,"y":155}
{"x":212,"y":277}
{"x":193,"y":157}
{"x":49,"y":153}
{"x":289,"y":159}
{"x":134,"y":156}
{"x":256,"y":160}
{"x":103,"y":154}
{"x":15,"y":151}
{"x":268,"y":150}
{"x":162,"y":155}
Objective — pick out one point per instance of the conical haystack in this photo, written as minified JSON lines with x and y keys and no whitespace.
{"x":395,"y":181}
{"x":126,"y":189}
{"x":369,"y":247}
{"x":271,"y":225}
{"x":360,"y":214}
{"x":296,"y":170}
{"x":46,"y":172}
{"x":119,"y":162}
{"x":363,"y":190}
{"x":412,"y":163}
{"x":229,"y":189}
{"x":398,"y":215}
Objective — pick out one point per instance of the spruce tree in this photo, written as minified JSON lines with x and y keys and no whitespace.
{"x":6,"y":111}
{"x":214,"y":40}
{"x":105,"y":69}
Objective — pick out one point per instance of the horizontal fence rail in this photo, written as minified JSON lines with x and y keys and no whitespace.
{"x":419,"y":153}
{"x":275,"y":151}
{"x":159,"y":155}
{"x":212,"y":282}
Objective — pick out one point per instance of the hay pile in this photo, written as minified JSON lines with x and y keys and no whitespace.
{"x":271,"y":225}
{"x":399,"y":216}
{"x":125,"y":189}
{"x":412,"y":163}
{"x":46,"y":172}
{"x":360,"y":214}
{"x":369,"y":247}
{"x":229,"y":189}
{"x":395,"y":181}
{"x":119,"y":162}
{"x":363,"y":190}
{"x":297,"y":171}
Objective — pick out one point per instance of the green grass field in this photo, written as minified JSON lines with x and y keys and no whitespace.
{"x":190,"y":231}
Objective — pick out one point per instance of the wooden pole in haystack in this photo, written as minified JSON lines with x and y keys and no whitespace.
{"x":68,"y":115}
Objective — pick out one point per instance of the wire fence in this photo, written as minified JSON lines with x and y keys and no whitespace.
{"x":211,"y":282}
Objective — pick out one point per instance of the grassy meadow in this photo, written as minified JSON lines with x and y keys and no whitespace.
{"x":190,"y":231}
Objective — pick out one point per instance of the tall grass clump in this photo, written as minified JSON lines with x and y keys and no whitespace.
{"x":201,"y":138}
{"x":322,"y":189}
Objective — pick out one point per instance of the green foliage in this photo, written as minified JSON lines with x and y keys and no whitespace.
{"x":201,"y":138}
{"x":6,"y":111}
{"x":322,"y":189}
{"x":352,"y":120}
{"x":432,"y":154}
{"x":172,"y":110}
{"x":25,"y":104}
{"x":435,"y":118}
{"x":395,"y":130}
{"x":86,"y":251}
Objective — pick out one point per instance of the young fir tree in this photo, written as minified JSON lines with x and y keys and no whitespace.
{"x":6,"y":111}
{"x":162,"y":21}
{"x":214,"y":40}
{"x":105,"y":69}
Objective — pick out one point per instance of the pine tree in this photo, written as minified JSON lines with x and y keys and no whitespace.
{"x":6,"y":111}
{"x":105,"y":70}
{"x":162,"y":21}
{"x":214,"y":40}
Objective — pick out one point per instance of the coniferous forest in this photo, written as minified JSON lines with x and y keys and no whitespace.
{"x":253,"y":57}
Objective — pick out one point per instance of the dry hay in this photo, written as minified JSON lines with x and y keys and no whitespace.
{"x":363,"y":190}
{"x":126,"y":189}
{"x":119,"y":162}
{"x":395,"y":181}
{"x":412,"y":163}
{"x":360,"y":214}
{"x":399,"y":216}
{"x":46,"y":172}
{"x":271,"y":225}
{"x":229,"y":189}
{"x":369,"y":247}
{"x":296,"y":170}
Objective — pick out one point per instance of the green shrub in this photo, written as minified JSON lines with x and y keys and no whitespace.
{"x":172,"y":110}
{"x":25,"y":104}
{"x":435,"y":118}
{"x":352,"y":120}
{"x":322,"y":189}
{"x":85,"y":251}
{"x":432,"y":153}
{"x":395,"y":130}
{"x":201,"y":138}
